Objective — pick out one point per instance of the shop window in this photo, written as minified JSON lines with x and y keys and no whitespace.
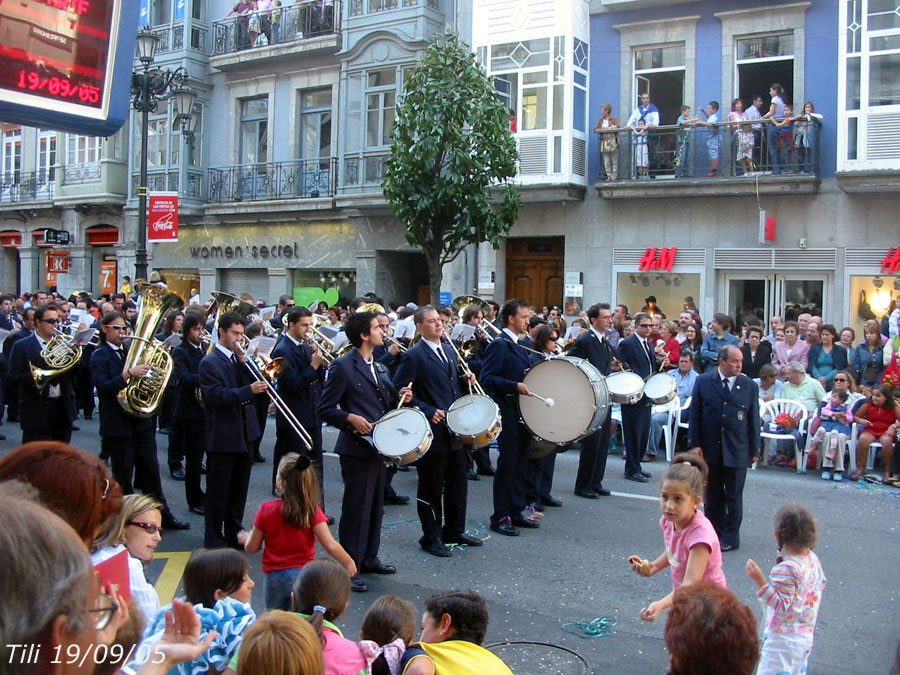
{"x":871,"y":298}
{"x":673,"y":292}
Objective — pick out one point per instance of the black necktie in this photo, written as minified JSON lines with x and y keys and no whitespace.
{"x":725,"y":388}
{"x":649,"y":354}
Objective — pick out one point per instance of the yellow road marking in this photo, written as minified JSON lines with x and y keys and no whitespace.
{"x":170,"y":577}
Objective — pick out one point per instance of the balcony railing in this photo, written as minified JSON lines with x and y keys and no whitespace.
{"x":278,"y":25}
{"x":358,"y":7}
{"x":31,"y":186}
{"x":301,"y":178}
{"x":726,"y":149}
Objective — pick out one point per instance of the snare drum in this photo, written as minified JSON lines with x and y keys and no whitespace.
{"x":660,"y":388}
{"x":580,"y":400}
{"x":475,"y":418}
{"x":402,"y":436}
{"x":625,"y":387}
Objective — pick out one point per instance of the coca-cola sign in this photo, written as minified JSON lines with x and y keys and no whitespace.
{"x":162,"y":217}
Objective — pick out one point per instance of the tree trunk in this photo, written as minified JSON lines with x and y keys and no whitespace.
{"x":435,"y":277}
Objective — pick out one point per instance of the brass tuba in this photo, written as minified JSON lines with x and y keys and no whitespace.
{"x":142,"y":396}
{"x":61,"y":354}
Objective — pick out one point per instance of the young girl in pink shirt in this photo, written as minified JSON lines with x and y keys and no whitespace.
{"x":692,"y":546}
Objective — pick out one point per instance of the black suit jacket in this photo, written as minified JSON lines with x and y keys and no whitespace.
{"x":599,"y":354}
{"x":725,"y":427}
{"x":106,"y":371}
{"x":300,"y":384}
{"x":187,"y":360}
{"x":231,"y":423}
{"x":350,"y":388}
{"x":436,"y":386}
{"x":752,"y":365}
{"x":503,"y":367}
{"x":632,"y":352}
{"x":33,"y":406}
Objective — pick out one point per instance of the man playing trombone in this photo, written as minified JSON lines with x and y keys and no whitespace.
{"x":357,"y":393}
{"x":300,"y":386}
{"x":47,"y":413}
{"x":437,"y":381}
{"x":231,"y":430}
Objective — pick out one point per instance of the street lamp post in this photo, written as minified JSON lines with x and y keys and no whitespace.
{"x":148,"y":88}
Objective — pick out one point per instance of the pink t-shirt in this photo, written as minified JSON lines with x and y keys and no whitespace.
{"x":680,"y":543}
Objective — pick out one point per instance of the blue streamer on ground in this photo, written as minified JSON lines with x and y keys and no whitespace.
{"x":599,"y":627}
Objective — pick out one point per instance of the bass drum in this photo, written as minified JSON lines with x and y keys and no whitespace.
{"x":580,"y":400}
{"x":402,"y":436}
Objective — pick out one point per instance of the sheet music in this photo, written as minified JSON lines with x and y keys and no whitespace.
{"x":572,"y":333}
{"x":267,"y":313}
{"x":172,"y":341}
{"x":83,"y":337}
{"x":340,"y":341}
{"x":404,"y":328}
{"x":79,"y":316}
{"x":261,"y":346}
{"x":462,"y":331}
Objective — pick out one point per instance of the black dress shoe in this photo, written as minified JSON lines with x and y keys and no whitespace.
{"x":2,"y":437}
{"x":472,"y":475}
{"x":550,"y":501}
{"x":527,"y":523}
{"x":397,"y":500}
{"x":636,"y":477}
{"x":730,"y":547}
{"x":536,"y":506}
{"x":586,"y":493}
{"x":177,"y":474}
{"x":170,"y":522}
{"x":464,"y":539}
{"x":199,"y":510}
{"x":602,"y":492}
{"x":75,"y":427}
{"x":437,"y":548}
{"x":357,"y":585}
{"x":259,"y":459}
{"x":487,"y":472}
{"x":505,"y":527}
{"x":379,"y":568}
{"x":645,"y":474}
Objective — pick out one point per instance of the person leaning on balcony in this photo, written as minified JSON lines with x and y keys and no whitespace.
{"x":607,"y":126}
{"x":776,"y":111}
{"x":711,"y":113}
{"x":648,"y":112}
{"x":242,"y":23}
{"x":805,"y":129}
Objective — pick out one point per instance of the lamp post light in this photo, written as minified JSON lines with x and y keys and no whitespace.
{"x":148,"y":88}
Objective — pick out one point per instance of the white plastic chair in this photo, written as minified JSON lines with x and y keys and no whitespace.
{"x":677,"y":424}
{"x":852,"y":444}
{"x":673,"y":408}
{"x":767,"y":414}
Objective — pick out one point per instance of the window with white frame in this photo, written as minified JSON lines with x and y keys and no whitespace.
{"x":381,"y":98}
{"x":660,"y":71}
{"x":46,"y":152}
{"x":868,"y":86}
{"x":82,"y":149}
{"x":11,"y":168}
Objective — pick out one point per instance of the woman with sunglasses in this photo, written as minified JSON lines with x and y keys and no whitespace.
{"x":137,"y":528}
{"x":540,"y":471}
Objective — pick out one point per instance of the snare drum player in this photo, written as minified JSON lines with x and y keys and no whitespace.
{"x":640,"y":355}
{"x":433,"y":369}
{"x":502,"y":372}
{"x":356,"y":394}
{"x":600,"y":353}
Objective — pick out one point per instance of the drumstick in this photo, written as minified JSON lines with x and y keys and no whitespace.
{"x":403,"y":398}
{"x":460,"y":407}
{"x":549,"y":402}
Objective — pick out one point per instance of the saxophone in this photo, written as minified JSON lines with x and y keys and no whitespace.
{"x":142,"y":395}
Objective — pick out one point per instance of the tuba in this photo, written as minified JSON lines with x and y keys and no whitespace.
{"x":61,"y":354}
{"x":142,"y":396}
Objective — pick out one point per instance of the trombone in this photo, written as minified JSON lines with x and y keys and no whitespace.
{"x":462,"y":301}
{"x":270,"y":371}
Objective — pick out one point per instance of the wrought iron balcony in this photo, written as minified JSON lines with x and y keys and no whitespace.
{"x":279,"y":25}
{"x":30,"y":186}
{"x":296,"y":179}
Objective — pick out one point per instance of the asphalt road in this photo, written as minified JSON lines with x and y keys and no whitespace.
{"x":574,"y":568}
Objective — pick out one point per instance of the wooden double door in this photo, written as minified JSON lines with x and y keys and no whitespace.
{"x":534,"y":270}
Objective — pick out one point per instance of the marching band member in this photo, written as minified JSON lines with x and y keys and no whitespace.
{"x":639,"y":353}
{"x":540,"y":471}
{"x":478,"y":461}
{"x":299,"y":386}
{"x":505,"y":363}
{"x":253,"y":328}
{"x":432,"y":368}
{"x":356,"y":394}
{"x":596,"y":347}
{"x":12,"y":388}
{"x":229,"y":391}
{"x":189,"y":424}
{"x":389,"y":356}
{"x":129,"y":442}
{"x":43,"y":415}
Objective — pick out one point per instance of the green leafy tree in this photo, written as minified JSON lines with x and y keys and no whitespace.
{"x":451,"y":158}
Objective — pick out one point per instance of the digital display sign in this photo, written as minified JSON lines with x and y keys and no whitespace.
{"x":66,"y":64}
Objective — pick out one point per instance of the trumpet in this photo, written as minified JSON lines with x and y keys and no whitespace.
{"x":389,"y":337}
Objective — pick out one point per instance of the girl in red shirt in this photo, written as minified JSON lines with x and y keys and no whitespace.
{"x":290,"y":526}
{"x":878,"y":418}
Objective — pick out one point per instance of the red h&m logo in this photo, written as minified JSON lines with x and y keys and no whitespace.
{"x":658,"y":259}
{"x":891,"y":262}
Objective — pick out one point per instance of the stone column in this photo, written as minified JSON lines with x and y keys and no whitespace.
{"x":365,"y":272}
{"x":209,"y":280}
{"x":30,"y":267}
{"x":279,"y":284}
